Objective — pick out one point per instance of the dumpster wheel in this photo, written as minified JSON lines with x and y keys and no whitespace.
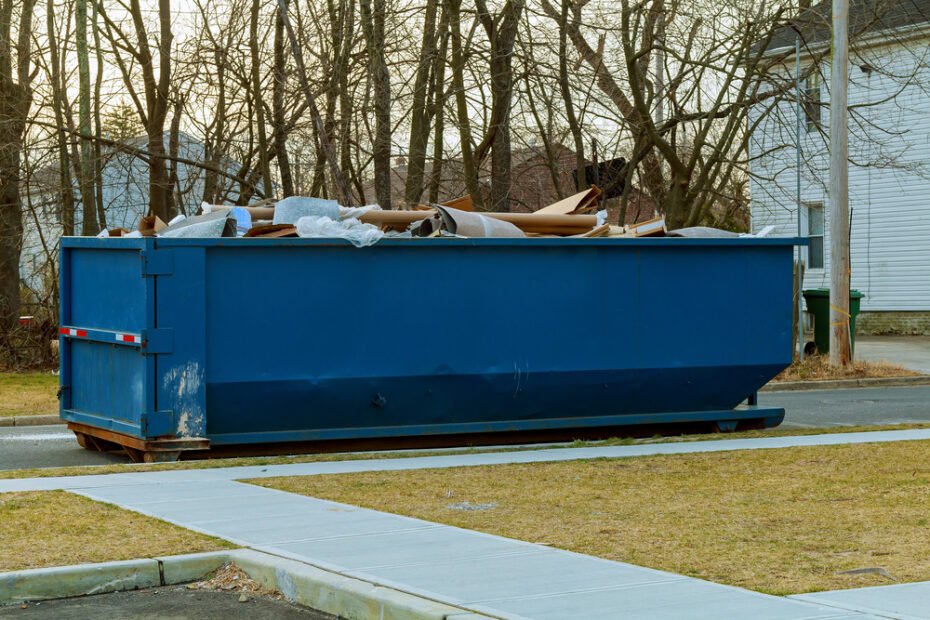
{"x":731,"y":426}
{"x":159,"y":456}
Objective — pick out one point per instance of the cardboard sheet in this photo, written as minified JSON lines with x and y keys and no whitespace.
{"x":581,"y":202}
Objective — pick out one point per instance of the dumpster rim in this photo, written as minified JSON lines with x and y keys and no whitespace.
{"x":527,"y":242}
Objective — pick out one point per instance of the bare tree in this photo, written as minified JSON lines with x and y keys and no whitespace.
{"x":154,"y":111}
{"x":502,"y":32}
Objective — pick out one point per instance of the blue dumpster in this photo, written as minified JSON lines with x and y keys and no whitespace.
{"x":170,"y":345}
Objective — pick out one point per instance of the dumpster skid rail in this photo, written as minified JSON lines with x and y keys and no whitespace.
{"x":202,"y":346}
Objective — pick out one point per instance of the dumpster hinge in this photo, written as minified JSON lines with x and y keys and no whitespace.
{"x":159,"y":340}
{"x":158,"y":423}
{"x":157,"y":262}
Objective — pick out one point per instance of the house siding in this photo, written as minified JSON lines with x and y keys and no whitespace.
{"x":889,"y":201}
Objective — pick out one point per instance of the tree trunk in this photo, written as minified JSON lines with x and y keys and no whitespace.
{"x":13,"y":104}
{"x":469,"y":169}
{"x":437,"y":110}
{"x":419,"y":118}
{"x":502,"y":90}
{"x":156,"y":100}
{"x":264,"y":165}
{"x":343,"y":36}
{"x":89,"y":224}
{"x":174,"y":143}
{"x":15,"y":101}
{"x":277,"y":103}
{"x":98,"y":127}
{"x":65,"y":190}
{"x":373,"y":17}
{"x":159,"y":182}
{"x":565,"y":90}
{"x":214,"y":147}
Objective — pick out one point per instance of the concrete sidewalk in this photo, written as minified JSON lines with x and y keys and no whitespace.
{"x":548,"y":455}
{"x":486,"y":574}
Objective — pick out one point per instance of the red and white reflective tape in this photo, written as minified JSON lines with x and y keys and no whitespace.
{"x":67,"y":331}
{"x":129,"y":338}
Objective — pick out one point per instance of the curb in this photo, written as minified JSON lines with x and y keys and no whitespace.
{"x":31,"y":420}
{"x":345,"y":597}
{"x":65,"y":581}
{"x":322,"y":590}
{"x":840,"y":384}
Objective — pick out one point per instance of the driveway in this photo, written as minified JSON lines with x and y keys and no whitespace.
{"x":912,"y":352}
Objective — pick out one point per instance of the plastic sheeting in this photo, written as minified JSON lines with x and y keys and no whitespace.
{"x":354,"y":231}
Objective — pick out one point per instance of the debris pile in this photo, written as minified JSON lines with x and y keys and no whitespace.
{"x":231,"y":578}
{"x":577,"y":216}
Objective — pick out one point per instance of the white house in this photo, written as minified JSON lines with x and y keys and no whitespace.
{"x":889,"y":147}
{"x":125,"y":200}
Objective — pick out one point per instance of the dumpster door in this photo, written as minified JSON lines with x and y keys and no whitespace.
{"x":107,"y":304}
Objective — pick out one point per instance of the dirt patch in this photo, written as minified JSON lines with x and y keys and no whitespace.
{"x":54,"y":528}
{"x":818,"y":368}
{"x":779,"y":521}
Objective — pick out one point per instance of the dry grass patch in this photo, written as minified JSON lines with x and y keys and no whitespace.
{"x":128,"y":468}
{"x":817,"y":368}
{"x":28,"y":393}
{"x":54,"y":528}
{"x":779,"y":521}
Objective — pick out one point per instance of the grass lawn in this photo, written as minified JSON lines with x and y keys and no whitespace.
{"x":54,"y":528}
{"x":779,"y":521}
{"x":49,"y":472}
{"x":28,"y":393}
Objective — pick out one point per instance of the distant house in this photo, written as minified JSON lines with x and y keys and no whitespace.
{"x":532,"y":187}
{"x":125,"y":200}
{"x":889,"y":177}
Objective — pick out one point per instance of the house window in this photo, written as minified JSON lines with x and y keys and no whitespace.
{"x":815,"y":236}
{"x":812,"y":105}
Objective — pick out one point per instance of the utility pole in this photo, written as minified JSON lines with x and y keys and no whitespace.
{"x":799,"y":264}
{"x":840,"y":346}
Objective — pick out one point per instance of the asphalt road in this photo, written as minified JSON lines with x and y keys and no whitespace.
{"x":25,"y":447}
{"x":825,"y":408}
{"x":171,"y":603}
{"x":53,"y":446}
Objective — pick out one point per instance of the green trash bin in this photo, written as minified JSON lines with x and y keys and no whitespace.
{"x":818,"y":304}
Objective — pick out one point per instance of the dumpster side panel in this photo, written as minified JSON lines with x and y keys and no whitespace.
{"x":722,"y":315}
{"x":330,"y":341}
{"x":181,"y":312}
